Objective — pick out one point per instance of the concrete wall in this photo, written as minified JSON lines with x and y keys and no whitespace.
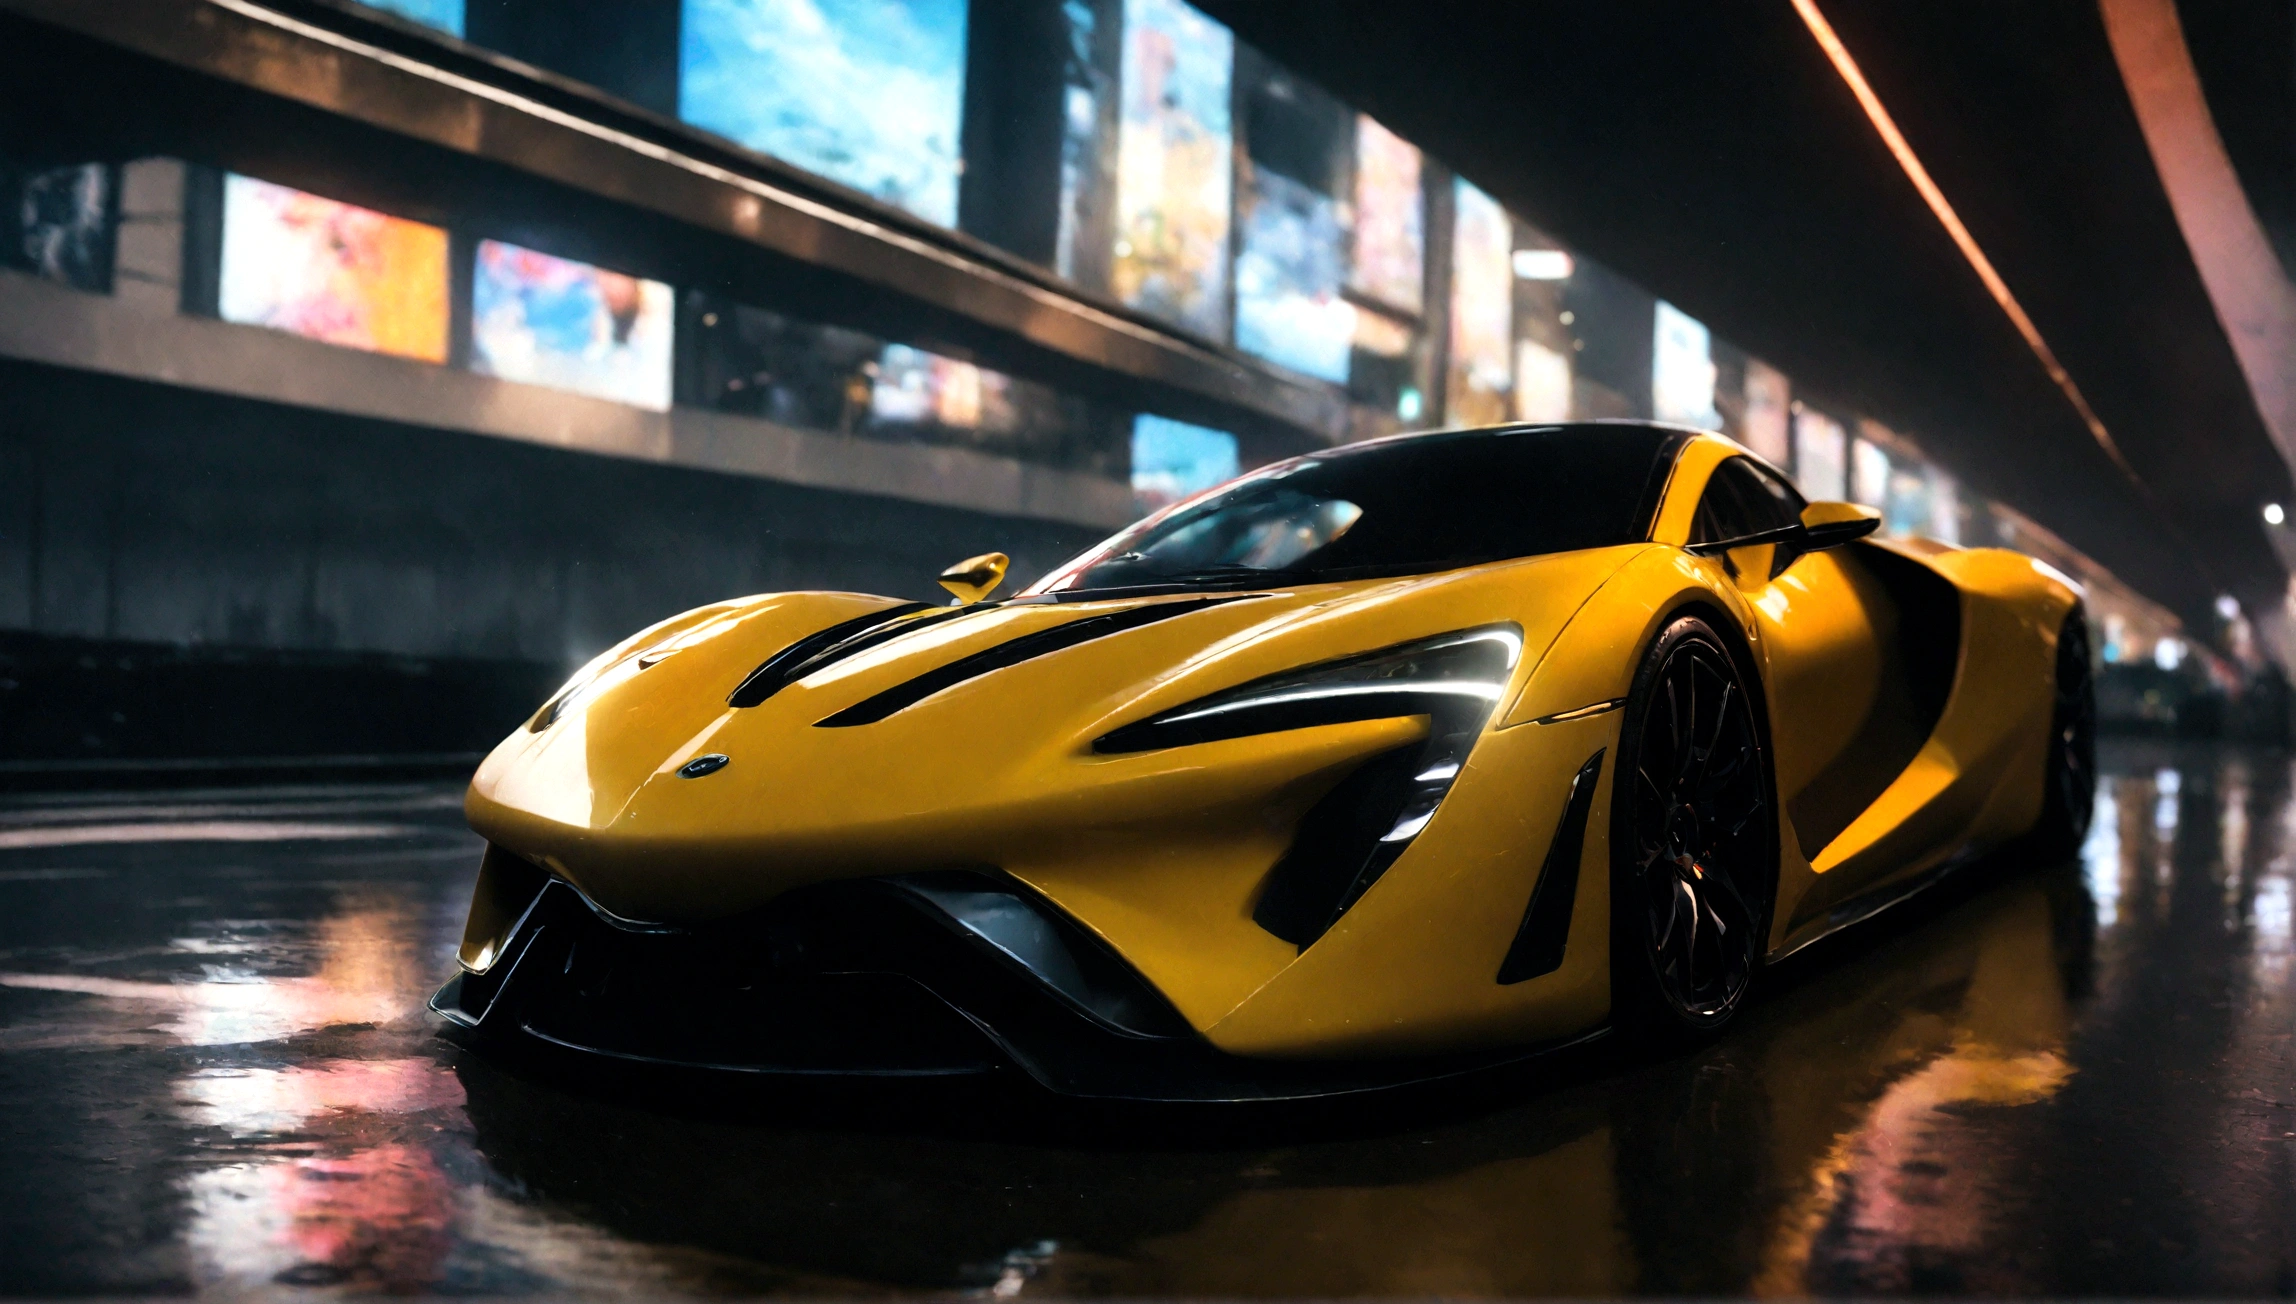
{"x":181,"y":530}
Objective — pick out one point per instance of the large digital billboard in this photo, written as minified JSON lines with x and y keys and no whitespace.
{"x":869,"y":93}
{"x":553,"y":321}
{"x":1174,"y":166}
{"x":1482,"y":309}
{"x":1390,"y":263}
{"x":332,"y":271}
{"x":1289,"y":274}
{"x":1682,"y":369}
{"x":1821,"y":455}
{"x":1172,"y":460}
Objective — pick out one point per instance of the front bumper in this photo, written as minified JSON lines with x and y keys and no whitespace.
{"x":911,"y":976}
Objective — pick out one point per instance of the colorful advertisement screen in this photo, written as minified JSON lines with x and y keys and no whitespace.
{"x":869,"y":93}
{"x":914,"y":388}
{"x":332,"y":271}
{"x":556,"y":322}
{"x":1172,"y":460}
{"x":1682,"y":369}
{"x":1174,"y":166}
{"x":1288,"y":279}
{"x":1482,"y":310}
{"x":1390,"y":228}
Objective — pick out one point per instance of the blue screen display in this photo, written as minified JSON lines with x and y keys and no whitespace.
{"x":869,"y":93}
{"x":1172,"y":460}
{"x":1288,"y":278}
{"x":445,"y":15}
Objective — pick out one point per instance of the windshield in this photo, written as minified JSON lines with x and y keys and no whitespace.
{"x":1397,"y":507}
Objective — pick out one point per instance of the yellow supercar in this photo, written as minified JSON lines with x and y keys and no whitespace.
{"x":1376,"y":765}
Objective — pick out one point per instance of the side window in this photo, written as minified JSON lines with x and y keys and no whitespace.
{"x":1741,"y":500}
{"x":1785,"y":500}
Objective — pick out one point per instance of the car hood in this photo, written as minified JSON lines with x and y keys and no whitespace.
{"x":910,"y":755}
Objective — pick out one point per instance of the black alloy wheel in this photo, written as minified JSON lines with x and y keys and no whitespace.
{"x":1693,"y":845}
{"x":2069,"y":794}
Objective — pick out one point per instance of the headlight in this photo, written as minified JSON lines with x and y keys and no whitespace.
{"x":1361,"y":826}
{"x":1450,"y":677}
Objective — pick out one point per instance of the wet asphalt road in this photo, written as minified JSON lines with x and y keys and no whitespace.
{"x":2069,"y":1079}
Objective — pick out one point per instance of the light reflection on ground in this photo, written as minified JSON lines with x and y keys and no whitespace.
{"x":215,"y":1075}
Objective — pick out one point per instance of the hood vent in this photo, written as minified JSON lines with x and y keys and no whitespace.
{"x":835,"y":643}
{"x":1027,"y":647}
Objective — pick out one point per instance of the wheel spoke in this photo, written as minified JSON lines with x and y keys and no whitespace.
{"x":1697,"y":793}
{"x":1725,"y":892}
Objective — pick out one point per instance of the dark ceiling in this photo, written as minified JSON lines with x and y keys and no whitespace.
{"x":1713,"y":153}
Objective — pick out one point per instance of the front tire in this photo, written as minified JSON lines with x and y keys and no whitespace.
{"x":1693,"y":841}
{"x":2069,"y":783}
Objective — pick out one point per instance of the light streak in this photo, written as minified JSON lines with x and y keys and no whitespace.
{"x":1907,"y":160}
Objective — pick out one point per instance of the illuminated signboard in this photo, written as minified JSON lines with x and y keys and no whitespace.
{"x":66,"y":225}
{"x":1869,"y":474}
{"x":1172,"y":460}
{"x":1542,"y":383}
{"x":1768,"y":424}
{"x":915,"y":388}
{"x":1288,"y":279}
{"x":556,"y":322}
{"x":1682,"y":369}
{"x":1908,"y":504}
{"x":445,"y":15}
{"x":869,"y":93}
{"x":1174,"y":166}
{"x":332,"y":271}
{"x":1944,"y":508}
{"x":1390,"y":227}
{"x":1482,"y":310}
{"x":1821,"y":456}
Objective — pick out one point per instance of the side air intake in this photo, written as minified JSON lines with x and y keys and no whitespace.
{"x":1546,"y":927}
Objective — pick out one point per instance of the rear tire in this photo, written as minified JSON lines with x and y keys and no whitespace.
{"x":1693,"y":841}
{"x":2069,"y":781}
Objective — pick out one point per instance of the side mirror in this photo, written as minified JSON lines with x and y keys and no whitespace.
{"x":1823,"y":525}
{"x":1830,"y":525}
{"x":975,"y":578}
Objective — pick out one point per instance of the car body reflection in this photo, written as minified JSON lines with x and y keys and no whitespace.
{"x":1579,"y":1187}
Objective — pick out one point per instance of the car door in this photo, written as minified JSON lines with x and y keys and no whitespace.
{"x":1842,"y":728}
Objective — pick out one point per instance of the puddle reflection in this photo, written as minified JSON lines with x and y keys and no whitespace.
{"x":2064,"y":1081}
{"x":1828,"y":1130}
